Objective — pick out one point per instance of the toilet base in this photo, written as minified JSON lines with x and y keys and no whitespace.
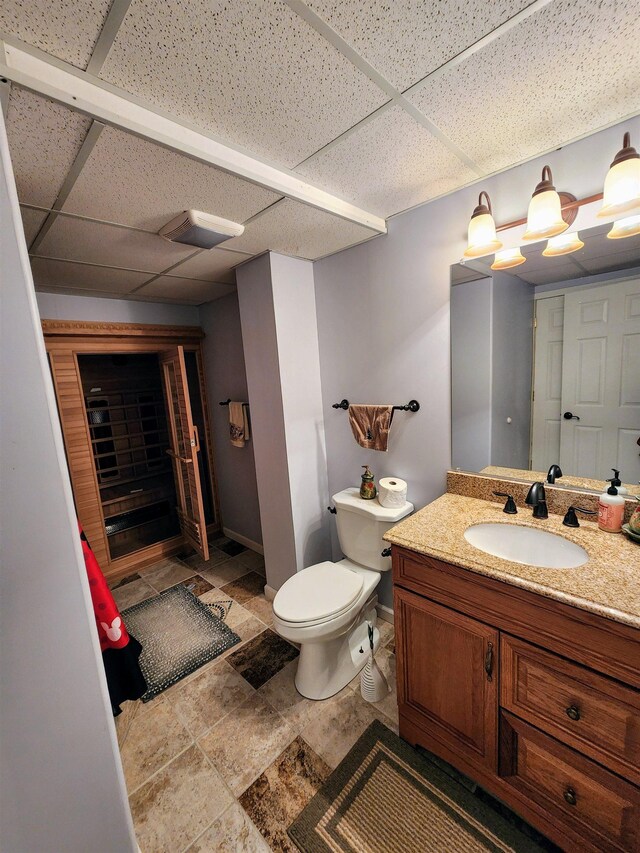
{"x":325,"y":668}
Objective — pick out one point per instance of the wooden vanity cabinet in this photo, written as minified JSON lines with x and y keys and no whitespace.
{"x":536,"y":700}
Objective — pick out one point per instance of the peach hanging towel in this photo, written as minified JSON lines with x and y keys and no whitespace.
{"x":238,"y":424}
{"x":370,"y":425}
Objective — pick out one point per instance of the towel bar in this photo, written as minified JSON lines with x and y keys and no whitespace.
{"x":412,"y":406}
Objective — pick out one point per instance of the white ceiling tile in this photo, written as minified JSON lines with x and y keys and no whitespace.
{"x":44,"y":139}
{"x":212,"y":265}
{"x":32,"y":222}
{"x":135,"y":182}
{"x":250,"y":72}
{"x":405,"y":40}
{"x":63,"y":274}
{"x":64,"y":28}
{"x":565,"y":71}
{"x":96,"y":243}
{"x":185,"y":289}
{"x":296,"y":229}
{"x":388,"y":164}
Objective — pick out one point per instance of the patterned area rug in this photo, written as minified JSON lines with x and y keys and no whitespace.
{"x":386,"y":796}
{"x":178,"y":634}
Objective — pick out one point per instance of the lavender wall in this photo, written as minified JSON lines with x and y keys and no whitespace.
{"x":226,"y":378}
{"x":61,"y":781}
{"x":61,"y":306}
{"x":383,"y":320}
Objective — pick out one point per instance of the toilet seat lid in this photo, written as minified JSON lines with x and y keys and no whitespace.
{"x":317,"y":593}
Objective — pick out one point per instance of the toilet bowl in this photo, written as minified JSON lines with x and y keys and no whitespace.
{"x":326,"y":608}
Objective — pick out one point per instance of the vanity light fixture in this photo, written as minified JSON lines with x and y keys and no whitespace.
{"x":563,"y":244}
{"x":627,"y":227}
{"x":622,"y":184}
{"x":508,"y":258}
{"x":482,"y":230}
{"x":544,"y":218}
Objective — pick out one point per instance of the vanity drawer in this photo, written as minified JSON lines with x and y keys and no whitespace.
{"x":573,"y":790}
{"x":587,"y":711}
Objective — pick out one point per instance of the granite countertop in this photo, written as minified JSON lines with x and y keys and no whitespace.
{"x":566,"y":481}
{"x":608,"y":584}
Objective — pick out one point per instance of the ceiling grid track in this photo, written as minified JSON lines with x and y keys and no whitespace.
{"x":72,"y":176}
{"x":114,"y":19}
{"x":395,"y":96}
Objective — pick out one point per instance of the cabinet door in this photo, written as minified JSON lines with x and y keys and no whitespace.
{"x":185,"y":446}
{"x":447,"y":678}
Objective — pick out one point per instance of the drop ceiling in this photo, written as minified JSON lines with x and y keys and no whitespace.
{"x":383,"y":105}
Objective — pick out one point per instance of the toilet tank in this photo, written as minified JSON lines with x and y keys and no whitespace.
{"x":361,"y":526}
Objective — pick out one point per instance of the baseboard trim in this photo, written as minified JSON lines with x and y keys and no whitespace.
{"x":243,"y":540}
{"x":269,"y":592}
{"x":385,"y":613}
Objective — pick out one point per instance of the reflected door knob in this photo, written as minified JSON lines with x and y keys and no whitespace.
{"x":568,"y":416}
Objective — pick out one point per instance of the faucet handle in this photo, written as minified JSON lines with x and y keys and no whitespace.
{"x":510,"y":506}
{"x":571,"y":519}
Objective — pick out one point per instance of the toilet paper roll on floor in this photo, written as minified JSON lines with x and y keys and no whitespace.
{"x":392,"y":492}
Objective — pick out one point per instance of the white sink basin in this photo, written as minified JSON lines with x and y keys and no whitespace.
{"x":526,"y":545}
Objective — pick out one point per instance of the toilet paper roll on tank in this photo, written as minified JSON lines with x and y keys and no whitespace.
{"x":392,"y":492}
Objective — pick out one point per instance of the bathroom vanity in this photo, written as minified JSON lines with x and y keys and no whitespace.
{"x":525,"y":679}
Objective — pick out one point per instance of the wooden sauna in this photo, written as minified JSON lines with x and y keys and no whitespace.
{"x":134,"y":416}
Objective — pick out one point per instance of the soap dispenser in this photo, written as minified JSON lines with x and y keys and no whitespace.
{"x":368,"y":489}
{"x":615,"y":481}
{"x":610,"y":509}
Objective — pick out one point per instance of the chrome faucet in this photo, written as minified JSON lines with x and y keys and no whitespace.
{"x":554,"y":473}
{"x":537,"y":498}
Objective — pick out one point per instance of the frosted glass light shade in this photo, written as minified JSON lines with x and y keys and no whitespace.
{"x":544,"y":218}
{"x":622,"y":184}
{"x":563,"y":244}
{"x":627,"y":227}
{"x":508,"y":258}
{"x":482,"y":237}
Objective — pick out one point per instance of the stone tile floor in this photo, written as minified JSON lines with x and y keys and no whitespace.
{"x":225,"y":759}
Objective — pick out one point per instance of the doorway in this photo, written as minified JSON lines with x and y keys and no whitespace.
{"x":586,"y":390}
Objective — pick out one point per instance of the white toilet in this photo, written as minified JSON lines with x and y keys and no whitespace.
{"x":325,"y":608}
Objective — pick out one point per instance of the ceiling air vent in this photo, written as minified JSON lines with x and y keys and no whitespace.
{"x":196,"y":228}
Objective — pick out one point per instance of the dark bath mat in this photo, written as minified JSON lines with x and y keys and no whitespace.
{"x":178,"y":634}
{"x":384,"y":795}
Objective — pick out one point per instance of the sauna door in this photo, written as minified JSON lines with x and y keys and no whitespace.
{"x":185,"y":446}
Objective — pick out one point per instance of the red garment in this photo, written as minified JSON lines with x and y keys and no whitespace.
{"x":111,"y":629}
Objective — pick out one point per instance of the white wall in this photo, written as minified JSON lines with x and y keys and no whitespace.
{"x":61,"y":781}
{"x":226,"y":378}
{"x":267,"y":418}
{"x":60,"y":306}
{"x":279,"y":331}
{"x":297,"y":334}
{"x":383,"y":319}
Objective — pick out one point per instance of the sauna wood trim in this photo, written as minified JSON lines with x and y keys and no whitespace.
{"x":85,"y":328}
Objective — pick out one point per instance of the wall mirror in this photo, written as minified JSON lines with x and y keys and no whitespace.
{"x":546,"y":363}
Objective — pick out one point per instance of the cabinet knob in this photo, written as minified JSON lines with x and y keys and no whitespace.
{"x":570,"y":796}
{"x":573,"y":712}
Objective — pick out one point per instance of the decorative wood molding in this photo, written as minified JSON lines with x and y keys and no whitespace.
{"x":82,"y":328}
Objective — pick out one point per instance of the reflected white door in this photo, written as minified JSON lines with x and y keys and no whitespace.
{"x":547,"y":383}
{"x":601,"y":381}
